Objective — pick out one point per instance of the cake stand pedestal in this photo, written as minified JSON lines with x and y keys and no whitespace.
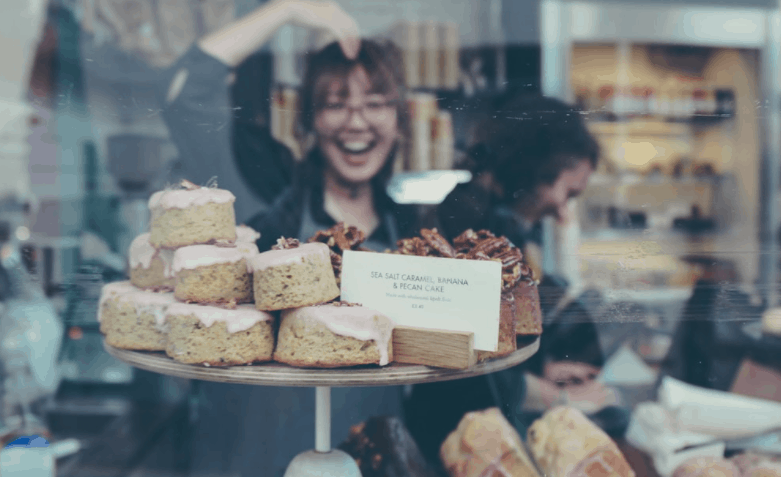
{"x":322,"y":461}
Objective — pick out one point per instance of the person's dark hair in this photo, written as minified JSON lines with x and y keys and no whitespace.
{"x":528,"y":141}
{"x":381,"y":60}
{"x":383,"y":64}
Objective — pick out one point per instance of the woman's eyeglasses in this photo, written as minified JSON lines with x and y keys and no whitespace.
{"x":373,"y":111}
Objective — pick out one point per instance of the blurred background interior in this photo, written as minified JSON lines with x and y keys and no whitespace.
{"x":678,"y":229}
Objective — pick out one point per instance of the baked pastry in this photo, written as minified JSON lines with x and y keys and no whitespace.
{"x":565,"y":443}
{"x":334,"y":335}
{"x":520,"y":306}
{"x":339,"y":239}
{"x":485,"y":445}
{"x":190,"y":216}
{"x":528,"y":313}
{"x":383,"y":447}
{"x":212,"y":274}
{"x":245,"y":233}
{"x":517,"y":276}
{"x":706,"y":467}
{"x":219,"y":337}
{"x":292,"y":275}
{"x":771,"y":322}
{"x":507,"y":323}
{"x":133,"y":319}
{"x":150,"y":268}
{"x":110,"y":291}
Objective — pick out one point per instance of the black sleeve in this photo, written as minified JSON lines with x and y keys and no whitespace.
{"x":282,"y":219}
{"x":202,"y":124}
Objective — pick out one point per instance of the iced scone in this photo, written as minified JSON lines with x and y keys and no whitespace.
{"x":334,"y":335}
{"x":150,"y":268}
{"x":219,"y":337}
{"x":293,"y":275}
{"x":133,"y":319}
{"x":214,"y":275}
{"x":190,"y":216}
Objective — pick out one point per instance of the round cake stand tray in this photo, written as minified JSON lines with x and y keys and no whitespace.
{"x":323,"y":461}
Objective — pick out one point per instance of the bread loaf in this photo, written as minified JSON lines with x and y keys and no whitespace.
{"x":564,"y":443}
{"x":485,"y":445}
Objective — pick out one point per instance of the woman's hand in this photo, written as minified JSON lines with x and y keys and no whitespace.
{"x":570,"y":373}
{"x":233,"y":43}
{"x":329,"y":17}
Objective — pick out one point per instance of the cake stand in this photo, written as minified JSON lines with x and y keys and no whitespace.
{"x":323,"y":460}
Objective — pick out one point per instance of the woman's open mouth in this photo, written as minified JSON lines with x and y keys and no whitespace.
{"x":355,"y":147}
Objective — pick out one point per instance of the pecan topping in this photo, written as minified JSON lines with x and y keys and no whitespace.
{"x":471,"y":245}
{"x":413,"y":246}
{"x":340,"y":238}
{"x":285,"y":243}
{"x":438,"y":243}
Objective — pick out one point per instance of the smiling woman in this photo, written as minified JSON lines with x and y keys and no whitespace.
{"x":352,"y":101}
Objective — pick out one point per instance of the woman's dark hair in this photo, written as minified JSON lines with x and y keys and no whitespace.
{"x":383,"y":65}
{"x":528,"y":141}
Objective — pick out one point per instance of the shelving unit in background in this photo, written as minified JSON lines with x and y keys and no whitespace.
{"x":743,"y":51}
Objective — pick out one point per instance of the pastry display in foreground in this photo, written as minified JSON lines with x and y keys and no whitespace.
{"x":150,"y":268}
{"x":706,"y":467}
{"x":519,"y":308}
{"x":214,"y":275}
{"x":333,"y":335}
{"x":134,"y":319}
{"x":771,"y":322}
{"x":517,"y":276}
{"x":565,"y":443}
{"x":383,"y":447}
{"x":219,"y":337}
{"x":339,"y":239}
{"x":190,"y":216}
{"x":485,"y":444}
{"x":293,"y":275}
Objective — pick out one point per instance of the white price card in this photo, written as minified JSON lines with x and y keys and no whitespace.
{"x":428,"y":292}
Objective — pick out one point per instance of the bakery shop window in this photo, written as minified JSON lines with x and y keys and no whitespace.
{"x":496,"y":243}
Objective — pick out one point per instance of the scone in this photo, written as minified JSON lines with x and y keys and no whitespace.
{"x":214,"y":275}
{"x":134,"y":319}
{"x":292,"y":277}
{"x":150,"y":268}
{"x":339,"y":239}
{"x":219,"y":337}
{"x":507,"y":330}
{"x":565,"y":443}
{"x":334,"y":335}
{"x":190,"y":216}
{"x":485,"y":444}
